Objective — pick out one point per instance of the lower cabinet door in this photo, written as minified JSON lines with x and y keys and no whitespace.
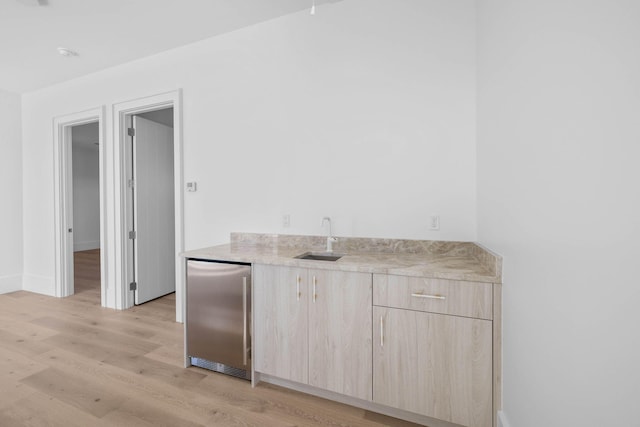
{"x":434,"y":365}
{"x":340,"y":311}
{"x":281,"y":326}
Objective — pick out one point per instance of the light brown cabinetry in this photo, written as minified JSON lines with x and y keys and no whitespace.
{"x":430,"y":363}
{"x":469,"y":299}
{"x":280,"y":305}
{"x":330,"y":344}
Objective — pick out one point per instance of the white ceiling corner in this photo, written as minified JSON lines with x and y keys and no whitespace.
{"x":106,"y":33}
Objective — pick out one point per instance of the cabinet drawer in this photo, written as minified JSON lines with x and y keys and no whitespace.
{"x":470,"y":299}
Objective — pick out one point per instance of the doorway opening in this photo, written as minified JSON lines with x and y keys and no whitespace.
{"x":80,"y":220}
{"x":133,"y":235}
{"x":85,"y":185}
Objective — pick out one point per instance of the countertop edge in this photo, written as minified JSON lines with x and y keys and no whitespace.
{"x":430,"y":266}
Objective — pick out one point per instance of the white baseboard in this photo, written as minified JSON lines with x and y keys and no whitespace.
{"x":502,"y":420}
{"x":10,"y":283}
{"x":39,"y":284}
{"x":86,"y":246}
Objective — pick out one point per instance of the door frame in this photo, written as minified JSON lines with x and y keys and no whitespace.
{"x":124,"y":297}
{"x":63,"y":198}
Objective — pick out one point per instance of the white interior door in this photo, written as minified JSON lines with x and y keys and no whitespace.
{"x":153,"y":210}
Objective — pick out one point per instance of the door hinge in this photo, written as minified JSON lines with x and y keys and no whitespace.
{"x":131,"y":183}
{"x":131,"y":132}
{"x":133,"y":286}
{"x":132,"y":234}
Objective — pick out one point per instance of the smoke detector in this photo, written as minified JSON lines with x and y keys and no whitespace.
{"x":67,"y":52}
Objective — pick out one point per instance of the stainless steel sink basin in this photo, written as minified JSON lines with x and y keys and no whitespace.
{"x":320,"y":256}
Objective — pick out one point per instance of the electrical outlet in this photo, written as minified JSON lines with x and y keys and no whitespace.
{"x":286,"y":220}
{"x":192,"y":186}
{"x":434,"y":222}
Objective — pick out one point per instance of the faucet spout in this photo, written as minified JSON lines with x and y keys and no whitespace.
{"x":330,"y":239}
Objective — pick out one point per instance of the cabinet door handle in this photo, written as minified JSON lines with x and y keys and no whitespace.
{"x":314,"y":289}
{"x":298,"y":294}
{"x":381,"y":331}
{"x":244,"y":318}
{"x":442,"y":297}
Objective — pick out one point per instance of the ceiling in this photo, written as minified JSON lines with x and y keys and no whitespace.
{"x":163,"y":116}
{"x":106,"y":33}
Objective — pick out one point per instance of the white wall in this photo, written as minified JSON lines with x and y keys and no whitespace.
{"x":559,"y":197}
{"x":10,"y":193}
{"x":364,"y":112}
{"x":86,"y":188}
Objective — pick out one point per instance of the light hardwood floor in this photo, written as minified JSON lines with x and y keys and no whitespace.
{"x":69,"y":362}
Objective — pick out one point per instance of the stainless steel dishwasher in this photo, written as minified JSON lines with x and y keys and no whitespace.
{"x":218,"y":316}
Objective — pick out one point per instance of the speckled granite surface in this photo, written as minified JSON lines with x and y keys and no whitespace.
{"x":419,"y":258}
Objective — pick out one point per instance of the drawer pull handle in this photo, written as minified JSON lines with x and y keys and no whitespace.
{"x":381,"y":331}
{"x":298,"y":294}
{"x":442,"y":297}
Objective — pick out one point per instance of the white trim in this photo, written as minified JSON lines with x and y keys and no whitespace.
{"x":123,"y":297}
{"x":502,"y":420}
{"x":10,"y":283}
{"x":63,"y":247}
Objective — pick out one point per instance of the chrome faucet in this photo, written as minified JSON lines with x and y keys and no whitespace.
{"x":330,"y":239}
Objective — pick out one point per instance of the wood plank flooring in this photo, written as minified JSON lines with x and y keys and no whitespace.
{"x":69,"y":362}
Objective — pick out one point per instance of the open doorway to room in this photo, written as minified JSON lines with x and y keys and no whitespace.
{"x":85,"y":161}
{"x":149,"y":200}
{"x":79,"y":200}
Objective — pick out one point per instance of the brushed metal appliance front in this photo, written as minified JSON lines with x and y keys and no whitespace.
{"x":218,"y":316}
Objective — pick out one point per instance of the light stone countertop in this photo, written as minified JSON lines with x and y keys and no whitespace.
{"x":418,"y":258}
